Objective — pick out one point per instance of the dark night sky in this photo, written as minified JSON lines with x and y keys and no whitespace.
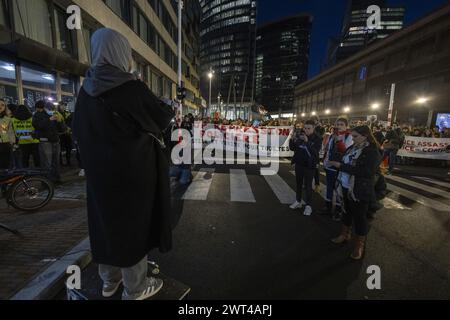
{"x":328,"y":16}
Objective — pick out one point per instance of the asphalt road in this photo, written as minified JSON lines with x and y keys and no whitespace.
{"x":237,"y":239}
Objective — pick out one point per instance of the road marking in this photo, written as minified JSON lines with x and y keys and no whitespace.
{"x":240,"y":188}
{"x":427,"y":202}
{"x":388,"y":203}
{"x":199,"y":188}
{"x":420,"y":186}
{"x":281,"y":189}
{"x":439,"y":183}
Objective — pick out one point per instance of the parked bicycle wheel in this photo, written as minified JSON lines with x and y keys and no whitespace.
{"x":31,"y":193}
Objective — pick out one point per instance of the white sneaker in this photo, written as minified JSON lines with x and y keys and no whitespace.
{"x":154,"y":285}
{"x":110,"y":289}
{"x":308,"y":211}
{"x":296,"y":205}
{"x":82,"y":173}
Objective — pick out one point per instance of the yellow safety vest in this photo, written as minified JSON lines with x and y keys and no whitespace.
{"x":24,"y":130}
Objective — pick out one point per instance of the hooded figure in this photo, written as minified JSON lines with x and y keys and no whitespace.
{"x":117,"y":122}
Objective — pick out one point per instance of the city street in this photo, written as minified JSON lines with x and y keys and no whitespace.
{"x":236,"y":238}
{"x":260,"y":249}
{"x":116,"y":92}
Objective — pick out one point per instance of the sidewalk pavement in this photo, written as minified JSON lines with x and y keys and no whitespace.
{"x":45,"y":236}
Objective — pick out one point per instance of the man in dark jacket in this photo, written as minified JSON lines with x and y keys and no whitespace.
{"x":47,"y":128}
{"x":306,"y":145}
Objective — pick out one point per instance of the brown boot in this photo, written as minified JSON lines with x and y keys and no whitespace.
{"x":345,"y":236}
{"x":358,"y":250}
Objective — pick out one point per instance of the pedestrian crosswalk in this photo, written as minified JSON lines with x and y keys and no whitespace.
{"x":281,"y":189}
{"x":240,"y":188}
{"x":200,"y":186}
{"x":404,"y":194}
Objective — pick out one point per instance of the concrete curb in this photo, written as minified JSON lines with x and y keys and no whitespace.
{"x":51,"y":281}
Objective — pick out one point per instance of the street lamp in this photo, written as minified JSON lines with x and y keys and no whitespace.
{"x":375,"y":106}
{"x":210,"y":76}
{"x":328,"y":111}
{"x":303,"y":115}
{"x":347,"y":109}
{"x":313,"y":113}
{"x":422,"y":100}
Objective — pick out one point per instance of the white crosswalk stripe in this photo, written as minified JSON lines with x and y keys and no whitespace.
{"x":240,"y":189}
{"x":199,"y":188}
{"x":433,"y":181}
{"x":388,"y":203}
{"x":420,"y":186}
{"x":281,"y":189}
{"x":425,"y":201}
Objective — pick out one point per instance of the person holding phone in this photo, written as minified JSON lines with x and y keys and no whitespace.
{"x":306,"y":145}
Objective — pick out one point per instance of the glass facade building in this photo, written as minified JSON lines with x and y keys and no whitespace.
{"x":355,"y":34}
{"x":228,"y":36}
{"x":282,"y":59}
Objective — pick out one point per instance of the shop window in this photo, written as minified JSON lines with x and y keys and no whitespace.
{"x":7,"y":72}
{"x":32,"y":96}
{"x":8,"y":93}
{"x":36,"y":78}
{"x":67,"y":84}
{"x":32,"y":20}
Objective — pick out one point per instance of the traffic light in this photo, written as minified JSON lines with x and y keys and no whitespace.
{"x":181,"y":93}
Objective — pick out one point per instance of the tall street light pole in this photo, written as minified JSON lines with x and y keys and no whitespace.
{"x":210,"y":76}
{"x":180,"y":79}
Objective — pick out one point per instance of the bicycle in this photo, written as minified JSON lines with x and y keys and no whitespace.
{"x":26,"y":190}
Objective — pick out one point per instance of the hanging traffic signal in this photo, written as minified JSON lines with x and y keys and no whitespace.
{"x":181,"y":93}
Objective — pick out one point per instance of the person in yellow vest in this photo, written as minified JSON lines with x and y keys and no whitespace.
{"x":7,"y":136}
{"x":24,"y":130}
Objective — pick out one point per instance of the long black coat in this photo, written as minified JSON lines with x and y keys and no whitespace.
{"x":128,"y":191}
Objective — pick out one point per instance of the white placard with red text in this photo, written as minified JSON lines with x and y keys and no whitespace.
{"x":427,"y":148}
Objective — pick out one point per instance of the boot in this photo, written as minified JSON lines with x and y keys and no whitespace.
{"x":345,"y":236}
{"x":327,"y":209}
{"x":358,"y":250}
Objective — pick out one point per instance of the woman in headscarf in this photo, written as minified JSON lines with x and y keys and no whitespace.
{"x":357,"y":171}
{"x":117,"y":124}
